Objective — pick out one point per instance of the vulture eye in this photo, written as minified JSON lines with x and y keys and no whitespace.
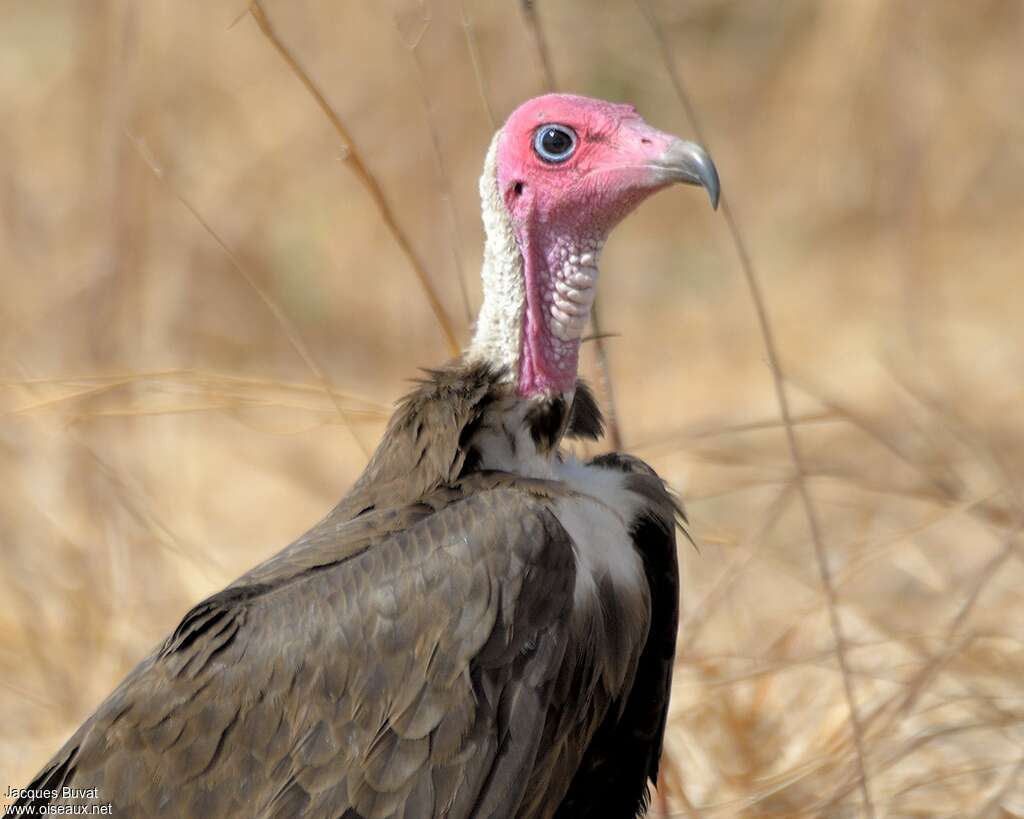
{"x":554,"y":143}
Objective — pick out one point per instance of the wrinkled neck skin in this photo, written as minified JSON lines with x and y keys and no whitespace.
{"x":539,"y":285}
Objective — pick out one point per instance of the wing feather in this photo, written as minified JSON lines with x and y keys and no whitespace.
{"x":623,"y":754}
{"x":408,"y":677}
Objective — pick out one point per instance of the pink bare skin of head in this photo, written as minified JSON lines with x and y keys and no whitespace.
{"x":563,"y":204}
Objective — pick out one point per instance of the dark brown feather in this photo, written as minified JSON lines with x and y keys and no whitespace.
{"x":623,"y":755}
{"x":410,"y":656}
{"x":585,"y":417}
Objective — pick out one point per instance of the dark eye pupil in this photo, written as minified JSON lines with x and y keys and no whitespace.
{"x":555,"y":141}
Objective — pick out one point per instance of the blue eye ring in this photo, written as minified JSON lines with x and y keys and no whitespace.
{"x":554,"y":143}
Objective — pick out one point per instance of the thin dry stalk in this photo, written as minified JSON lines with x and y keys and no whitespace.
{"x":902,"y":705}
{"x":290,"y":331}
{"x":778,"y":380}
{"x":605,"y":379}
{"x":445,"y":192}
{"x":720,"y":587}
{"x":942,"y":484}
{"x":478,"y":70}
{"x":540,"y":44}
{"x":985,"y":576}
{"x":138,"y":505}
{"x":667,"y":444}
{"x":993,"y":807}
{"x":670,"y":780}
{"x":354,"y":161}
{"x":181,"y":375}
{"x":37,"y":405}
{"x":963,"y":432}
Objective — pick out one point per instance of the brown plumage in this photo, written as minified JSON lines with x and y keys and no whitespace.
{"x":412,"y":655}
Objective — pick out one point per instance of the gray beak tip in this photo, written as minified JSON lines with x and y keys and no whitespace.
{"x":689,"y":163}
{"x":704,"y":173}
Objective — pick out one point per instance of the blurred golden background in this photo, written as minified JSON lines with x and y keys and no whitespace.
{"x":161,"y":433}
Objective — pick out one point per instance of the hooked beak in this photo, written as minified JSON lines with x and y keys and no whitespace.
{"x":690,"y":164}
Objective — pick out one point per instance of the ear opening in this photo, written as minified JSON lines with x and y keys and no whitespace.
{"x":512,"y":193}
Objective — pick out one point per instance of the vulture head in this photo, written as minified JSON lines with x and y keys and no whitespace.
{"x":560,"y":174}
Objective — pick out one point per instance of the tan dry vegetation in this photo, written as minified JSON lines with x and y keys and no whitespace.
{"x":160,"y":432}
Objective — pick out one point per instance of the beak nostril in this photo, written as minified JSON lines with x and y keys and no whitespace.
{"x":645,"y":141}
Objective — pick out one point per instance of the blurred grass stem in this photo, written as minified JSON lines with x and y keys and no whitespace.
{"x":352,"y":158}
{"x":290,"y":331}
{"x":793,"y":443}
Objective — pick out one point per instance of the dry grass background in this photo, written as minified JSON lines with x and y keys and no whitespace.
{"x":160,"y":433}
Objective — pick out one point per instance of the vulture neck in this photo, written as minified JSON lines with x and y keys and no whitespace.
{"x":538,"y":290}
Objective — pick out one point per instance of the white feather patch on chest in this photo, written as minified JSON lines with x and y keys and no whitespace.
{"x":597,"y":519}
{"x":597,"y":515}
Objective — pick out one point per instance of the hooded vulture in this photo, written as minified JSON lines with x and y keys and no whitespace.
{"x":484,"y":626}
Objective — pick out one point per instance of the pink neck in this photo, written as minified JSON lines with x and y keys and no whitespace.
{"x":548,"y":360}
